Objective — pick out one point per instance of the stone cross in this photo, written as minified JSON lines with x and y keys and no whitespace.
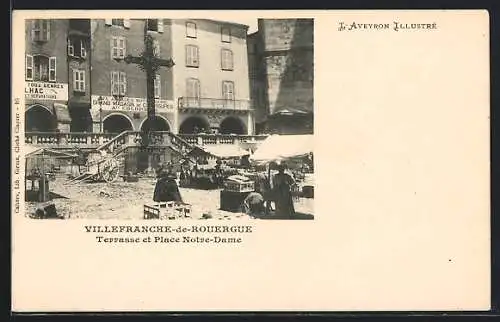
{"x":149,"y":63}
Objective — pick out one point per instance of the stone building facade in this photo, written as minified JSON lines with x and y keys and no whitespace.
{"x":211,"y":81}
{"x":46,"y":75}
{"x":118,"y":88}
{"x":81,"y":62}
{"x":282,"y":58}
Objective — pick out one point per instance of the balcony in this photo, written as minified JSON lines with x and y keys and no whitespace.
{"x":103,"y":140}
{"x":214,"y":104}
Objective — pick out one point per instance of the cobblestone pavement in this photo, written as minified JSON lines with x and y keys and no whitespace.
{"x":125,"y":200}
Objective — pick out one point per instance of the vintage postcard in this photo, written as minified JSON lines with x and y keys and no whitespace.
{"x":250,"y":160}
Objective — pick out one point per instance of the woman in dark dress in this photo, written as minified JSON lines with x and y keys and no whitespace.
{"x":283,"y":193}
{"x":166,"y":188}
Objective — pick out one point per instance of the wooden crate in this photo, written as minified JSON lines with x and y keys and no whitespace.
{"x":167,"y":210}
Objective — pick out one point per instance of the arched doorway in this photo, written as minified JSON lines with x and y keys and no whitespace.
{"x":232,"y":125}
{"x":193,"y":125}
{"x":116,"y":123}
{"x":39,"y":119}
{"x":158,"y":124}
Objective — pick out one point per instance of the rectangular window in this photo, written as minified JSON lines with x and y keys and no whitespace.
{"x":193,"y":88}
{"x":155,"y":25}
{"x":79,"y":80}
{"x":118,"y":47}
{"x":190,"y":30}
{"x":118,"y":83}
{"x":157,"y":86}
{"x":117,"y":22}
{"x":156,"y":47}
{"x":41,"y":30}
{"x":228,"y":90}
{"x":29,"y":67}
{"x":41,"y":68}
{"x":192,"y":59}
{"x":52,"y":69}
{"x":226,"y":59}
{"x":225,"y":34}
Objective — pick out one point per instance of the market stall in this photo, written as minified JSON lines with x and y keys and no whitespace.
{"x":39,"y":168}
{"x":294,"y":150}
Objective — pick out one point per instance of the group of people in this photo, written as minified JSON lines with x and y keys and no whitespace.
{"x":257,"y":203}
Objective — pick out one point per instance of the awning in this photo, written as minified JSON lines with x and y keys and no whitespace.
{"x":31,"y":151}
{"x":61,"y":113}
{"x":277,"y":148}
{"x":225,"y":151}
{"x":292,"y":110}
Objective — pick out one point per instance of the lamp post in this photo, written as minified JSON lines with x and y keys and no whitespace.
{"x":99,"y":101}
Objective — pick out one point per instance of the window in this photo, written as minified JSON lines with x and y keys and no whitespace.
{"x":193,"y":88}
{"x":118,"y":22}
{"x":190,"y":30}
{"x":156,"y":47}
{"x":40,"y":68}
{"x":40,"y":30}
{"x":118,"y":47}
{"x":76,"y":48}
{"x":192,"y":56}
{"x":228,"y":90}
{"x":225,"y":34}
{"x":78,"y":80}
{"x":226,"y":59}
{"x":157,"y":86}
{"x":29,"y":67}
{"x":155,"y":25}
{"x":118,"y":83}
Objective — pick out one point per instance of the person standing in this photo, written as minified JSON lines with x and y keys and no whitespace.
{"x":282,"y":186}
{"x":166,"y":188}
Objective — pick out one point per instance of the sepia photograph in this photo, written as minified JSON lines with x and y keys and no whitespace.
{"x":169,"y":118}
{"x":240,"y":160}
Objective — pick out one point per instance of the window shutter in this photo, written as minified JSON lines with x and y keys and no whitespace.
{"x":29,"y":67}
{"x":114,"y":83}
{"x":126,"y":23}
{"x":108,"y":22}
{"x":112,"y":47}
{"x":71,"y":49}
{"x":123,"y":83}
{"x":124,"y":47}
{"x":76,"y":85}
{"x":47,"y":30}
{"x":160,"y":25}
{"x":33,"y":27}
{"x":197,"y":93}
{"x":82,"y":80}
{"x":83,"y":51}
{"x":52,"y":68}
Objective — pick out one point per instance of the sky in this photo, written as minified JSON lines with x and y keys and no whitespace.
{"x":252,"y":23}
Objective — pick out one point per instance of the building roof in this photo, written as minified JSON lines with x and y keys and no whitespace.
{"x":228,"y":22}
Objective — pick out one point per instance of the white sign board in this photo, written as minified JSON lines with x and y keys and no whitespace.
{"x":46,"y":91}
{"x":130,"y":104}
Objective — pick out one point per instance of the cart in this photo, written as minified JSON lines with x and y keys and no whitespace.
{"x":100,"y":166}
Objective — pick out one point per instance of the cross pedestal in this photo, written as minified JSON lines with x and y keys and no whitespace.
{"x":149,"y":63}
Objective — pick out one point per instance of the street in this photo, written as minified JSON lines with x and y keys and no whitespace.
{"x":125,"y":200}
